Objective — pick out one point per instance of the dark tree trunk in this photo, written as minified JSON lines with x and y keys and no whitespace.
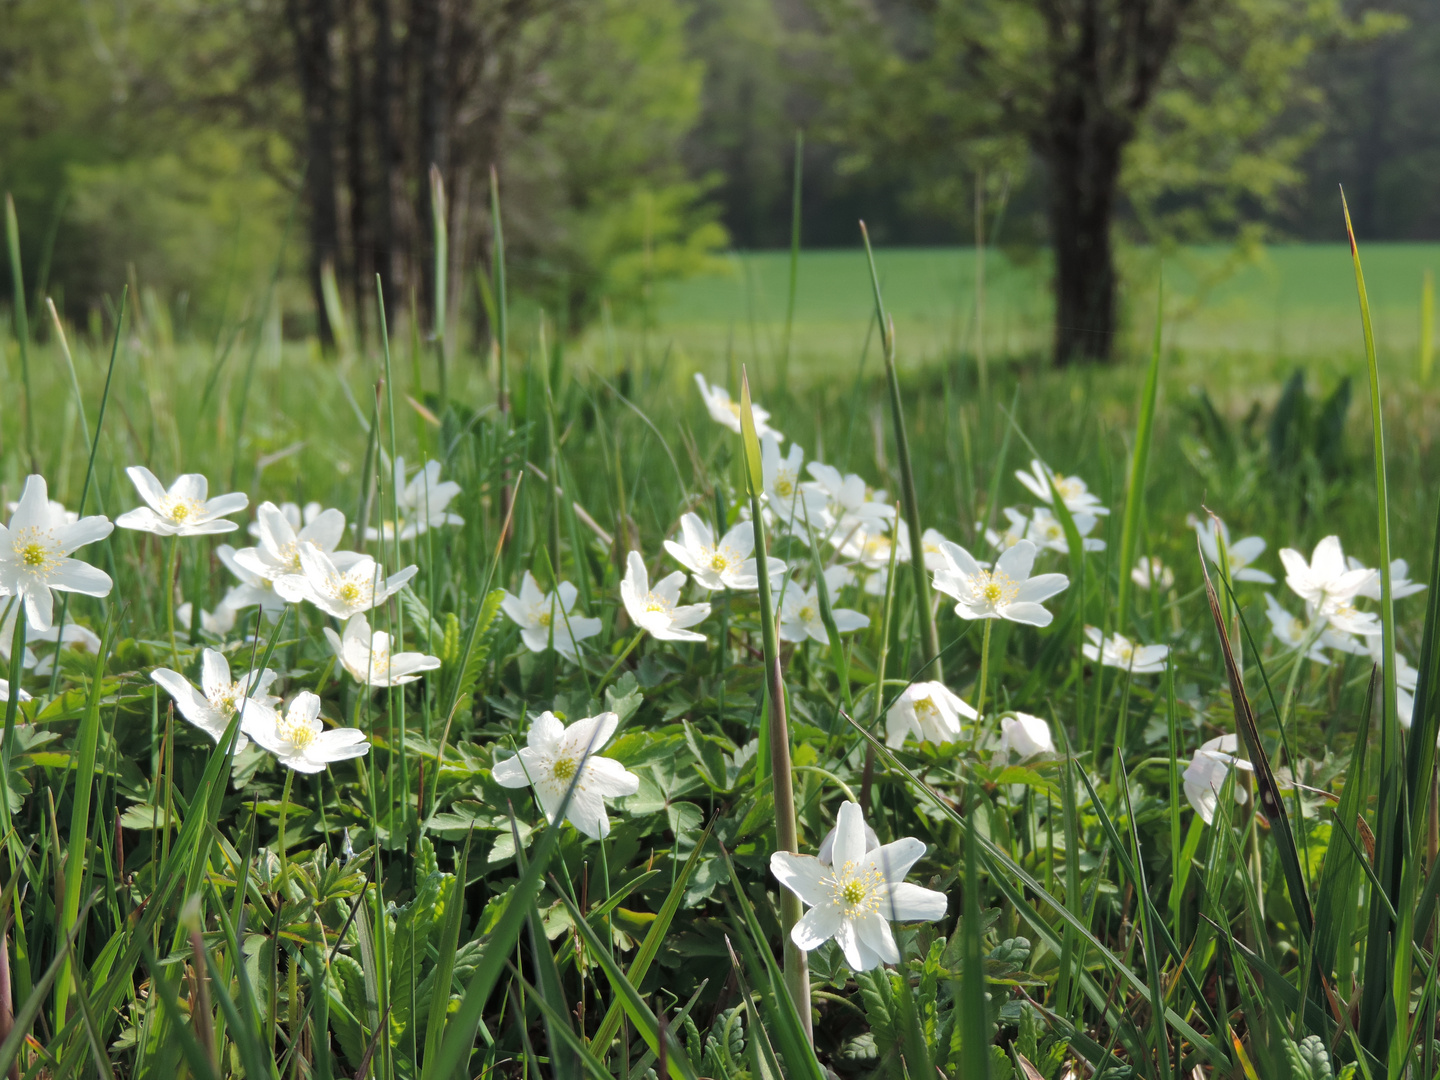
{"x":429,"y":27}
{"x":1085,"y":176}
{"x":358,"y":174}
{"x":386,"y":151}
{"x":311,"y":23}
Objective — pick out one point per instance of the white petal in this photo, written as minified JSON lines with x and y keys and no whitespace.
{"x":803,"y":875}
{"x":818,"y":926}
{"x":849,"y":834}
{"x":875,"y":932}
{"x":911,"y":903}
{"x":895,"y":859}
{"x":545,"y":732}
{"x":72,"y":575}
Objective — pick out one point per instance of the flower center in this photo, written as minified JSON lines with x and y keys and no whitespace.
{"x":563,"y":769}
{"x":784,"y":485}
{"x":655,"y":602}
{"x":1069,"y":487}
{"x":1297,"y":629}
{"x":543,"y":619}
{"x":296,"y":734}
{"x":719,"y":563}
{"x":807,"y":614}
{"x":349,"y":593}
{"x":925,"y":708}
{"x":995,"y":588}
{"x":853,"y":891}
{"x":1125,"y":651}
{"x":33,"y":555}
{"x":223,"y":699}
{"x":182,"y":510}
{"x":858,"y":893}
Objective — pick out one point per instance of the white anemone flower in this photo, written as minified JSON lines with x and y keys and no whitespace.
{"x":1214,"y":536}
{"x":1293,"y":631}
{"x":658,"y":611}
{"x":183,"y":510}
{"x":854,"y":898}
{"x":368,"y":658}
{"x":299,"y":739}
{"x":929,"y":711}
{"x":1025,"y":736}
{"x":218,"y":622}
{"x":557,"y":759}
{"x":255,"y":589}
{"x":1006,"y":592}
{"x":278,"y":552}
{"x":296,"y":515}
{"x":727,"y":412}
{"x":1118,"y":651}
{"x":1046,"y":531}
{"x":791,"y":502}
{"x":21,"y":695}
{"x":871,"y":548}
{"x":35,"y":554}
{"x":723,"y":565}
{"x":214,"y":705}
{"x":1151,"y":572}
{"x":420,"y":504}
{"x":1324,"y":581}
{"x":932,"y":543}
{"x":341,"y":587}
{"x":800,"y":612}
{"x":1012,"y":534}
{"x":849,"y":503}
{"x":57,"y":512}
{"x":74,"y":635}
{"x":1074,"y":493}
{"x":1400,"y":583}
{"x":541,"y":615}
{"x":1205,"y":775}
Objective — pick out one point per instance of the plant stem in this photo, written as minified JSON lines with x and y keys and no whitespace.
{"x":171,"y":569}
{"x":618,"y":661}
{"x":984,"y":671}
{"x":284,"y":812}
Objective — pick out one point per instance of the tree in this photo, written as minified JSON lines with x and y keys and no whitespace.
{"x":1092,"y":89}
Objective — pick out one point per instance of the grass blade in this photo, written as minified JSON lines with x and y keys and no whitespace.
{"x":1139,"y":463}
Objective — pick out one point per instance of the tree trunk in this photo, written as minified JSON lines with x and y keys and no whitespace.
{"x":358,"y":174}
{"x":1084,"y":160}
{"x":311,"y":24}
{"x":386,"y":152}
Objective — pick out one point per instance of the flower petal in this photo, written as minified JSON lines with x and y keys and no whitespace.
{"x":803,"y":875}
{"x":911,"y":903}
{"x":818,"y":926}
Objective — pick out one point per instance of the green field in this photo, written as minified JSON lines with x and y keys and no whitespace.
{"x":1294,"y":301}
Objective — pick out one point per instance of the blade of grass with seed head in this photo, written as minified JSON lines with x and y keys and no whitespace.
{"x":787,"y":838}
{"x":931,"y":636}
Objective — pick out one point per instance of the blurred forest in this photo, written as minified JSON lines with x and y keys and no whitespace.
{"x":197,"y":148}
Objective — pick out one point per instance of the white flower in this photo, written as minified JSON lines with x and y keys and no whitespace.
{"x":557,"y":758}
{"x":1013,"y":533}
{"x":5,"y":692}
{"x":655,"y":610}
{"x":81,"y":637}
{"x":537,"y":613}
{"x":1120,"y":652}
{"x":1324,"y":580}
{"x":931,"y":541}
{"x":1151,"y":572}
{"x":278,"y":552}
{"x":214,"y":705}
{"x":848,"y":502}
{"x":1400,"y":583}
{"x":218,"y":622}
{"x":856,"y":897}
{"x":368,"y":658}
{"x":1077,"y":498}
{"x":727,"y":412}
{"x":1406,"y":678}
{"x":341,"y":586}
{"x":1239,"y":554}
{"x":1025,"y":736}
{"x":1293,"y":631}
{"x":295,"y":516}
{"x":792,"y":502}
{"x":800,"y":612}
{"x":1007,"y":592}
{"x":1205,"y":775}
{"x":871,"y":547}
{"x":826,"y":854}
{"x":183,"y":510}
{"x":726,"y":565}
{"x":300,"y":740}
{"x":57,"y":512}
{"x":1046,"y":531}
{"x":927,"y":710}
{"x":35,"y":549}
{"x":9,"y":612}
{"x":254,"y":588}
{"x":419,"y":505}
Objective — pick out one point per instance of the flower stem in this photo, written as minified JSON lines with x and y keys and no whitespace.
{"x":284,"y":808}
{"x":984,"y":671}
{"x":618,"y":661}
{"x":171,"y":570}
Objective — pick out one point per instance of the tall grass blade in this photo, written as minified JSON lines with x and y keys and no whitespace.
{"x":787,"y":837}
{"x":794,"y":262}
{"x":22,"y":325}
{"x":974,"y":1016}
{"x":1139,"y":463}
{"x":931,"y":635}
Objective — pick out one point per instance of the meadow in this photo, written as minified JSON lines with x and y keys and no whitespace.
{"x":1142,"y":793}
